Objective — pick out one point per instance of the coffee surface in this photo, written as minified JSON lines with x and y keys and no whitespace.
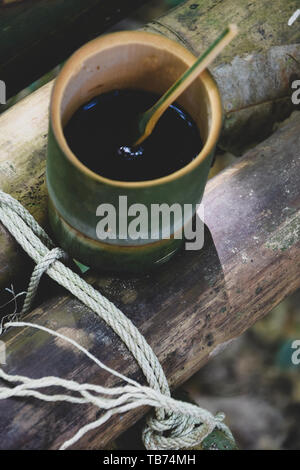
{"x":100,"y":135}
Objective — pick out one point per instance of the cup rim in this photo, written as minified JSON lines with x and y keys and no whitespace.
{"x":108,"y":41}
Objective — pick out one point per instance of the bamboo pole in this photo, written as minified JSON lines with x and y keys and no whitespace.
{"x":187,"y":310}
{"x":254,"y":76}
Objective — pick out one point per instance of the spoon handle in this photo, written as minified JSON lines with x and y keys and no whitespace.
{"x":150,"y":117}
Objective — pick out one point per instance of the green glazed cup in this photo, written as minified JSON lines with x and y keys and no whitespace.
{"x":136,"y":60}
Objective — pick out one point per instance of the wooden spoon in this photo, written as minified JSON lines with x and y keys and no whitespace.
{"x":147,"y":121}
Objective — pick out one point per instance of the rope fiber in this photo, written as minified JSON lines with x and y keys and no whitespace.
{"x":174,"y":425}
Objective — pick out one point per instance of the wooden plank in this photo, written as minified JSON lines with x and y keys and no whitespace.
{"x":259,"y":101}
{"x":187,"y":309}
{"x":36,"y":35}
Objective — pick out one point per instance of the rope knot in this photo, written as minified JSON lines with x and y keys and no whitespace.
{"x":180,"y":430}
{"x":42,"y":266}
{"x":172,"y":433}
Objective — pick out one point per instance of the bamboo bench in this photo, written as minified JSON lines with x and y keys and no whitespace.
{"x":191,"y":307}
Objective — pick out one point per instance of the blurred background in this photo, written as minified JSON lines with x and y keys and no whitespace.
{"x":253,"y":380}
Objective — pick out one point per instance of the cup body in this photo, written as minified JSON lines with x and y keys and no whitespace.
{"x":136,"y":60}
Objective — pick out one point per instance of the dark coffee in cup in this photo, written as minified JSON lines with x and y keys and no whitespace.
{"x":100,"y":135}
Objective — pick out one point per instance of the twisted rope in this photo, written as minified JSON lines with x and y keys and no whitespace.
{"x":175,"y":425}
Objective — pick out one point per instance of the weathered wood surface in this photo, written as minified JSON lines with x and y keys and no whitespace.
{"x":23,"y":129}
{"x":36,"y":35}
{"x":187,"y":309}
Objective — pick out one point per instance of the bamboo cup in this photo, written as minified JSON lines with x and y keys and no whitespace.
{"x":136,"y":60}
